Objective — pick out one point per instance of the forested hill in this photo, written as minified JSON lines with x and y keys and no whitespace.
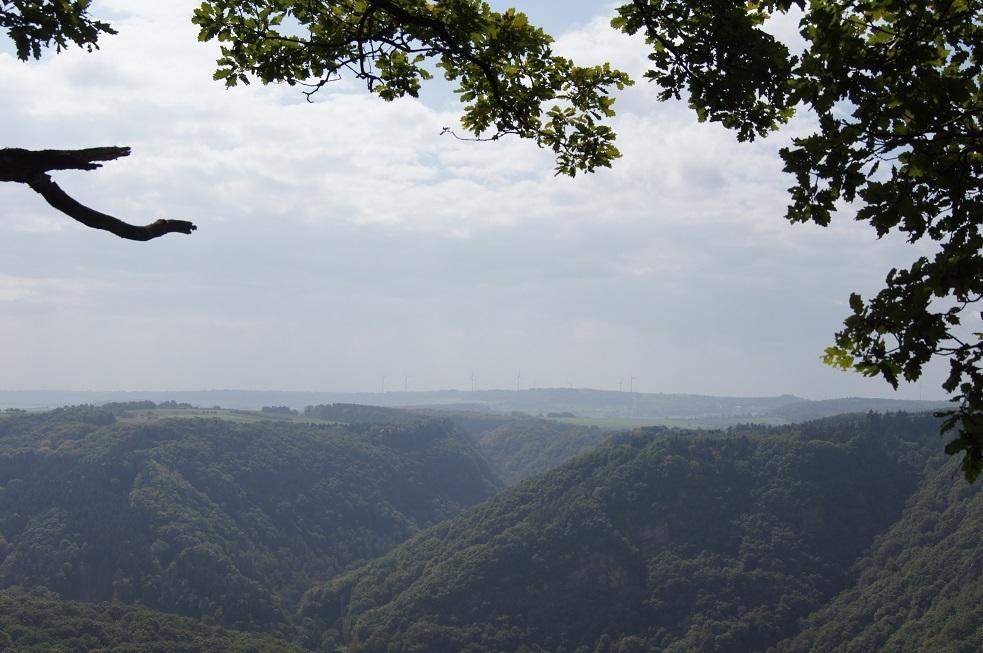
{"x":583,"y":402}
{"x":214,"y":519}
{"x":920,"y":588}
{"x":802,"y":411}
{"x":655,"y":541}
{"x":844,"y":534}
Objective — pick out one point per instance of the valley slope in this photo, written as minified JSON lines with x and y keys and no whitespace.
{"x":844,"y":534}
{"x":215,"y":519}
{"x":656,"y":541}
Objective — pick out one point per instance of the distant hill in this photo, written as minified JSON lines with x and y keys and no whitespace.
{"x":216,"y":519}
{"x":803,"y":411}
{"x":580,"y":402}
{"x":654,"y":541}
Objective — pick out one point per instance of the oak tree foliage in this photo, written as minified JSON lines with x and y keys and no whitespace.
{"x":507,"y":76}
{"x":34,"y":25}
{"x":894,"y":87}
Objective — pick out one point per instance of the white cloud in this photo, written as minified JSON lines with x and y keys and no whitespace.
{"x":344,"y":239}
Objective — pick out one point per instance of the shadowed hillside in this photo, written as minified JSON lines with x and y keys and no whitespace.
{"x":520,"y":446}
{"x":920,"y":588}
{"x":843,"y":534}
{"x":662,"y":540}
{"x":210,"y":518}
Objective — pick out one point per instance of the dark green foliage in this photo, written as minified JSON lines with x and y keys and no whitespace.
{"x":734,"y":72}
{"x":216,"y":519}
{"x":26,"y":432}
{"x":895,"y":89}
{"x":42,"y":624}
{"x":811,"y":410}
{"x":359,"y":414}
{"x":279,"y":410}
{"x":123,"y":407}
{"x":507,"y":76}
{"x":920,"y":588}
{"x":37,"y":24}
{"x":662,"y":540}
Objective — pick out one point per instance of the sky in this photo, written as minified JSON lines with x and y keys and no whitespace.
{"x":345,"y":241}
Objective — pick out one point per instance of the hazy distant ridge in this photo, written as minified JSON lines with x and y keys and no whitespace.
{"x":582,"y":402}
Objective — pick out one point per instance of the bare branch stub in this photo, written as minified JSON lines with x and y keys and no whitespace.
{"x":31,"y":167}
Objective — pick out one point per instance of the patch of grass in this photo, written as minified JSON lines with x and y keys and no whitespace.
{"x":702,"y":423}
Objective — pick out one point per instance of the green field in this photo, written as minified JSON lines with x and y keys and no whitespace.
{"x":703,"y":423}
{"x":232,"y":415}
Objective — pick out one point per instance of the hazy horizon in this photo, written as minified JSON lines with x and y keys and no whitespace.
{"x":434,"y":391}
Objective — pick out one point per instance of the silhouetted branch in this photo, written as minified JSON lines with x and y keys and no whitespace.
{"x":31,"y":167}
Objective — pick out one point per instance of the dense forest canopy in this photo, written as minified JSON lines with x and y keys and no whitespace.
{"x":894,"y":88}
{"x":183,"y":534}
{"x":668,"y":541}
{"x":916,"y":589}
{"x":216,"y":519}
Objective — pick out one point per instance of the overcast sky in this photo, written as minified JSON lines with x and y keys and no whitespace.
{"x":343,"y":241}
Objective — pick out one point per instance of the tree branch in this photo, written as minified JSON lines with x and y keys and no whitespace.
{"x":31,"y":167}
{"x":443,"y":34}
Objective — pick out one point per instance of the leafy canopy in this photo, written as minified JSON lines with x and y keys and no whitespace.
{"x":37,"y":24}
{"x":504,"y":67}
